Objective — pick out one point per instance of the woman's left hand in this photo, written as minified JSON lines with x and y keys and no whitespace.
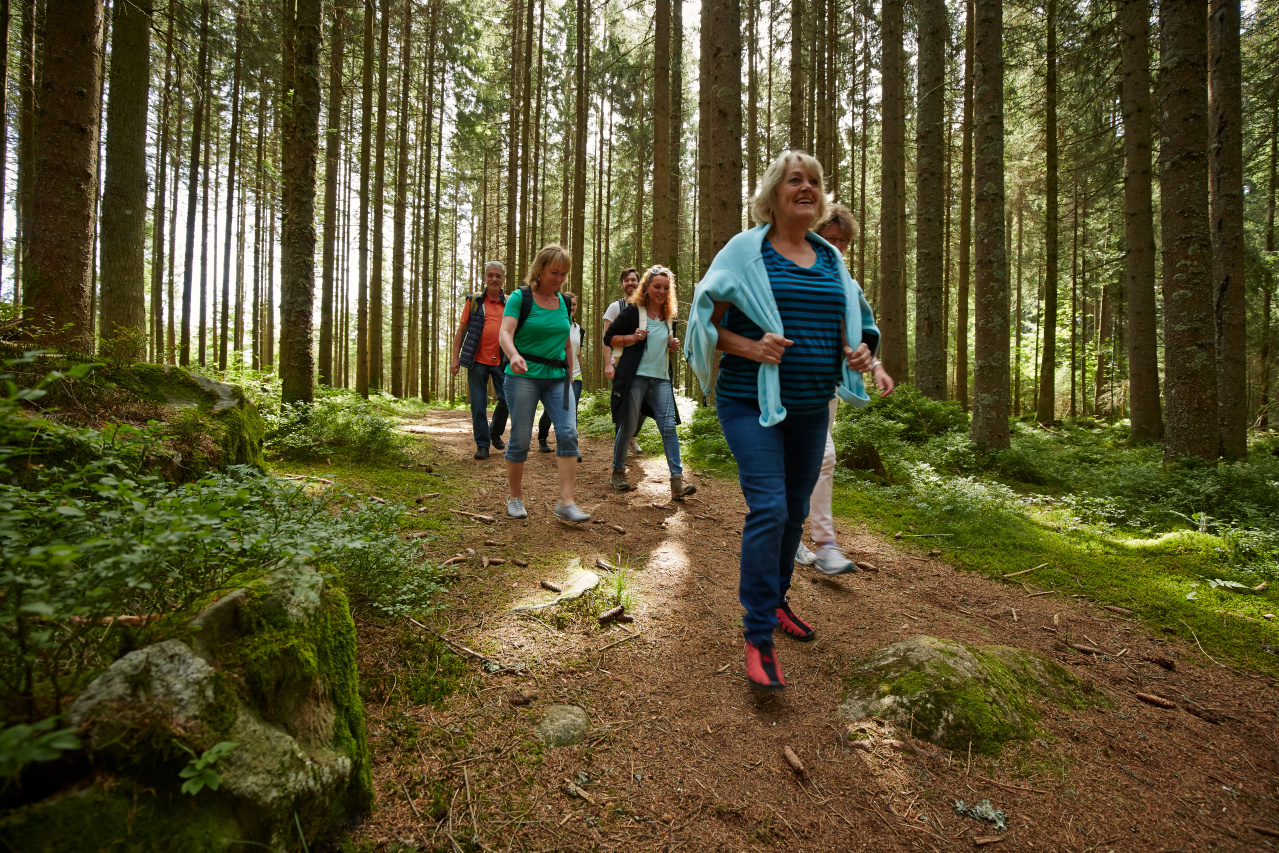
{"x":673,"y":345}
{"x":861,"y":361}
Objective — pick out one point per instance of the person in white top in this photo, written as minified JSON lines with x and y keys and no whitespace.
{"x":629,"y":280}
{"x":838,"y":228}
{"x":575,"y":337}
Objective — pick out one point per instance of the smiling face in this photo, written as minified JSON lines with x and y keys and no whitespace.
{"x":552,"y":278}
{"x":657,"y":290}
{"x":572,"y":304}
{"x":836,"y":236}
{"x":797,"y":195}
{"x":494,"y":281}
{"x":630,"y":282}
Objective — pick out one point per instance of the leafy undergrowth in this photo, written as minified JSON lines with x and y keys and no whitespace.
{"x":1192,"y":548}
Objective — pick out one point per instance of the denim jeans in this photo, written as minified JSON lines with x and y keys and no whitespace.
{"x":777,"y":467}
{"x":522,"y":395}
{"x":544,"y":422}
{"x":477,"y":391}
{"x":661,"y":399}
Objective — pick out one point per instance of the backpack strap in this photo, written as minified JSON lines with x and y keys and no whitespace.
{"x":526,"y":306}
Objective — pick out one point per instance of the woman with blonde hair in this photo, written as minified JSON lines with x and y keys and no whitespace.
{"x":645,"y":329}
{"x":535,"y":338}
{"x":794,"y":329}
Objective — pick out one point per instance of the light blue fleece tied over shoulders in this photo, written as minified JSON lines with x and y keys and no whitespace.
{"x":737,"y":275}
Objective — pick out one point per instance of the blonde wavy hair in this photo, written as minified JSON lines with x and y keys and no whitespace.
{"x":766,"y":198}
{"x":548,"y":255}
{"x":639,"y":297}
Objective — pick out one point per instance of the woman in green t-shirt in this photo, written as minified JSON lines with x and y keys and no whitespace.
{"x":535,"y":338}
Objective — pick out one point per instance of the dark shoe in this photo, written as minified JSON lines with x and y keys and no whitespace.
{"x":498,"y":444}
{"x":482,"y":453}
{"x":618,"y":481}
{"x":762,"y":669}
{"x":543,"y":447}
{"x":794,"y":627}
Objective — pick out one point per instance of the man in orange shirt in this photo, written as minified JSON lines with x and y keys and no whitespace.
{"x":475,"y":347}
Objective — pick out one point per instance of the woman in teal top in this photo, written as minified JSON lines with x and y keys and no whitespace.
{"x":535,"y":338}
{"x":645,"y":330}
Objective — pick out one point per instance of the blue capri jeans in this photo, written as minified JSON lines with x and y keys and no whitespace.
{"x":661,"y":401}
{"x":777,"y":467}
{"x":522,"y":396}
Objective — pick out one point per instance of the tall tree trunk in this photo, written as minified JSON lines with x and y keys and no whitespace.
{"x":663,"y":227}
{"x":990,"y":386}
{"x":797,"y":133}
{"x":207,"y":99}
{"x":377,"y":298}
{"x":171,"y":338}
{"x":398,"y":213}
{"x":26,"y":146}
{"x":513,"y":140}
{"x":58,"y":270}
{"x":1139,"y":234}
{"x":891,"y":309}
{"x":1017,"y":316}
{"x":930,"y":323}
{"x":161,"y":199}
{"x":301,"y":141}
{"x":332,"y":166}
{"x":362,"y":355}
{"x":582,"y":36}
{"x":865,"y":143}
{"x":124,"y":202}
{"x":232,"y":165}
{"x":259,"y":174}
{"x":1189,"y":345}
{"x":424,"y":337}
{"x":720,"y":150}
{"x":676,"y":142}
{"x":1225,"y":186}
{"x":526,"y":65}
{"x":1268,"y":283}
{"x":1046,"y":411}
{"x":193,"y":184}
{"x":965,"y":215}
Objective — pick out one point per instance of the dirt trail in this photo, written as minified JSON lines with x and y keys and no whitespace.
{"x":683,"y":756}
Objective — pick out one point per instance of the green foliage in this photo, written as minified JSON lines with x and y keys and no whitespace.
{"x":24,"y":743}
{"x":339,"y":422}
{"x":199,"y":773}
{"x":704,"y":440}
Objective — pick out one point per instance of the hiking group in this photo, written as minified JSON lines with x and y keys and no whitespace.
{"x":795,"y":333}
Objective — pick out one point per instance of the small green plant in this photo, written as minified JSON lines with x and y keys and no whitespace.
{"x":199,"y":773}
{"x":24,"y":743}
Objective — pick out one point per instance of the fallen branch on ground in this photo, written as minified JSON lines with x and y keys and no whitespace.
{"x":1024,"y":571}
{"x":1157,"y":701}
{"x":487,"y":519}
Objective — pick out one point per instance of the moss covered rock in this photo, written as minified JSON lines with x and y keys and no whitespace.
{"x":270,"y":668}
{"x":205,"y":407}
{"x":954,"y":695}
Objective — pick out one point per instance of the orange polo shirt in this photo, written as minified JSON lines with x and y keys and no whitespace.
{"x":488,"y":352}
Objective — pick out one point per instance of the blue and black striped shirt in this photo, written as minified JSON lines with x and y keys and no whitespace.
{"x":811,"y":303}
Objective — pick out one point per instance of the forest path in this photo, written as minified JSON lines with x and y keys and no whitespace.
{"x":683,"y":755}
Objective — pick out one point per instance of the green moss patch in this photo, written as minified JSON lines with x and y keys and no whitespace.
{"x":955,"y":696}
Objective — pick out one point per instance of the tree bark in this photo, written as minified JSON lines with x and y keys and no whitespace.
{"x":362,"y":354}
{"x":424,"y":338}
{"x":1225,"y":186}
{"x":232,"y":164}
{"x":965,"y":216}
{"x":513,"y":140}
{"x":1145,"y":417}
{"x":377,"y":298}
{"x":1046,"y":411}
{"x":332,"y":166}
{"x":57,"y":273}
{"x":720,"y":92}
{"x":797,"y":133}
{"x":193,"y":184}
{"x":891,"y":309}
{"x":301,"y":144}
{"x":582,"y":37}
{"x":990,"y":386}
{"x":1268,"y":282}
{"x":399,"y":211}
{"x":26,"y":145}
{"x":124,"y":202}
{"x":1189,"y":345}
{"x":161,"y":199}
{"x":663,"y":227}
{"x":930,"y":323}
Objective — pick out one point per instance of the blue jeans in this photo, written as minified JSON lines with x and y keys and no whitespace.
{"x":544,"y":422}
{"x":661,"y":399}
{"x":522,"y":395}
{"x":477,"y":391}
{"x":777,"y":467}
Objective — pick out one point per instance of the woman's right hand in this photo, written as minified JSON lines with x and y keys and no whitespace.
{"x":770,"y":348}
{"x":519,"y":365}
{"x":640,"y":334}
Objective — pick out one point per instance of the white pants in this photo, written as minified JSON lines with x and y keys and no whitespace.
{"x":820,"y":521}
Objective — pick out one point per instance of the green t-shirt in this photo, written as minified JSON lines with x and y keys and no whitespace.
{"x":544,"y":333}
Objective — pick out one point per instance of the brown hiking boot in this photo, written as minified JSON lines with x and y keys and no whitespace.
{"x":679,"y":490}
{"x":618,"y":481}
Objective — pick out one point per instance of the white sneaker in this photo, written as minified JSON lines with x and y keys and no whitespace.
{"x":570,"y":512}
{"x":831,"y":561}
{"x":515,"y":508}
{"x":804,"y":556}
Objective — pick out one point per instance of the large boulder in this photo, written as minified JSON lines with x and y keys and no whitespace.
{"x":204,"y":407}
{"x":270,"y":669}
{"x":954,"y":695}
